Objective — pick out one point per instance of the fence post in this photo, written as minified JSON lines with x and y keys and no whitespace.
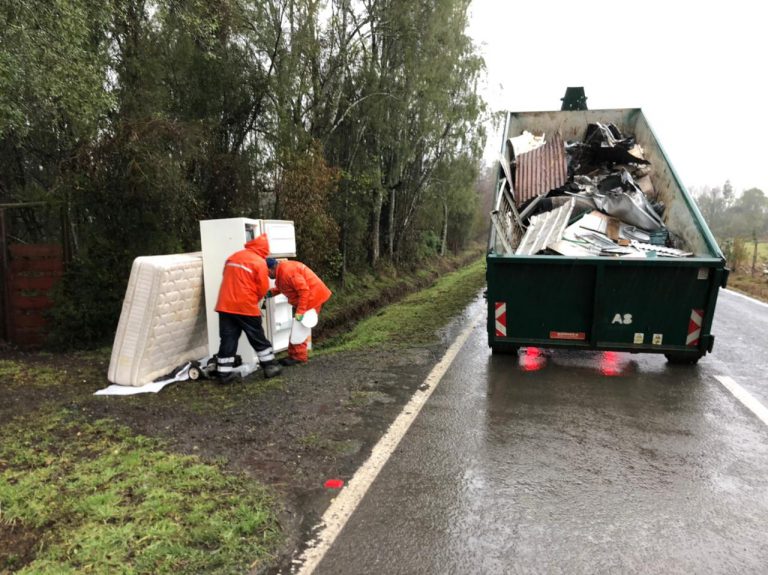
{"x":6,"y":314}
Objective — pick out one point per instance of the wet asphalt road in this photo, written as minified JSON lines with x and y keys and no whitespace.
{"x":566,"y":462}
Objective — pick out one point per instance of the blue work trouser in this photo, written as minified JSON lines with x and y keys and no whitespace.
{"x":231,"y":325}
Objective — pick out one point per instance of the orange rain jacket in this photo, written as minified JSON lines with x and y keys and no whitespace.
{"x":246,"y":279}
{"x":302,"y":287}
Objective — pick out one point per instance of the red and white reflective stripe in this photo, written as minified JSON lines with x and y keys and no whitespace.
{"x":694,"y":327}
{"x":501,"y":319}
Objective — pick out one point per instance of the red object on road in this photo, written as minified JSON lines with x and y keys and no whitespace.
{"x":334,"y":484}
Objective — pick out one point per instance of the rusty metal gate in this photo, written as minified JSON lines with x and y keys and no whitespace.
{"x":30,"y":271}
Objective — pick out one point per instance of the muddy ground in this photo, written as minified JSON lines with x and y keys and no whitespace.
{"x":315,"y":422}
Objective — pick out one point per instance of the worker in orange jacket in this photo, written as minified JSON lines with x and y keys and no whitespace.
{"x":244,"y":284}
{"x":304,"y":290}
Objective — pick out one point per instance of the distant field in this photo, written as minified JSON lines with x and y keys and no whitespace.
{"x":762,"y":251}
{"x":743,"y":281}
{"x":762,"y":256}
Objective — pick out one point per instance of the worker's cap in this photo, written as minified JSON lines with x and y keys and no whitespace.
{"x":271,"y":262}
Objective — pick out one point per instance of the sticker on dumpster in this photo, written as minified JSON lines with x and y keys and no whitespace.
{"x":624,"y":319}
{"x":658,"y":338}
{"x":639,"y":337}
{"x":501,"y":319}
{"x":703,"y":273}
{"x":694,"y":327}
{"x":571,"y":335}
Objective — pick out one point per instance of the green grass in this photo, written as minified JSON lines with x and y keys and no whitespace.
{"x":762,"y":254}
{"x":105,"y":501}
{"x":762,"y":251}
{"x":749,"y":252}
{"x":18,"y":373}
{"x":741,"y":279}
{"x":10,"y":371}
{"x":416,"y":319}
{"x":362,"y":289}
{"x":91,"y":366}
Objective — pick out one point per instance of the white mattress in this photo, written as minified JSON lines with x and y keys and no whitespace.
{"x":162,"y":324}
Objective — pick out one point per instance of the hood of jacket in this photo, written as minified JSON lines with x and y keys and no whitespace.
{"x":260,"y":245}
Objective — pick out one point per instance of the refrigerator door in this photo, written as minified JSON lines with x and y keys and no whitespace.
{"x":282,"y":239}
{"x":279,"y":318}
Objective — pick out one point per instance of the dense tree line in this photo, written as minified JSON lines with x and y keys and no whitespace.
{"x":735,"y":219}
{"x":357,"y":119}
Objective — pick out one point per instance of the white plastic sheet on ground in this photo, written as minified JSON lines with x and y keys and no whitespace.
{"x":152,"y":387}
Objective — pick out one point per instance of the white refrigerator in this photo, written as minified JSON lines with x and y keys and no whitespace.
{"x":221,"y":238}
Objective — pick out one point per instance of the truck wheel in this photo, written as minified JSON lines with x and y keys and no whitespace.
{"x":504,"y":349}
{"x":683,"y":358}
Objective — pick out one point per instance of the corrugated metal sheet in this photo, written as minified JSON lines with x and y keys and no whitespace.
{"x":546,"y":229}
{"x":540,"y":171}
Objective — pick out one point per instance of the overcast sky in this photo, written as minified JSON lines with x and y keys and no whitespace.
{"x":697,"y":70}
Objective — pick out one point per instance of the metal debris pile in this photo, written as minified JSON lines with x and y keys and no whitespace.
{"x":589,"y":198}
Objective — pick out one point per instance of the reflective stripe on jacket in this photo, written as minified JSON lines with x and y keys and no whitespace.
{"x":302,"y":287}
{"x":246,"y":279}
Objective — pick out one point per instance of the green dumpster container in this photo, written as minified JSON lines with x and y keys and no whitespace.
{"x":634,"y":304}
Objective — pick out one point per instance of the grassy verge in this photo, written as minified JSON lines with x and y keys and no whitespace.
{"x":365,"y":294}
{"x":756,"y":287}
{"x":416,"y":318}
{"x":89,"y":497}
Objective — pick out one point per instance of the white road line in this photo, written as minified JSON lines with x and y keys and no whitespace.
{"x":746,"y":297}
{"x":744,"y":397}
{"x":349,"y":498}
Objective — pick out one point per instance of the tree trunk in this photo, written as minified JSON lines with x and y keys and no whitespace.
{"x":754,"y":253}
{"x":378,"y":200}
{"x":344,"y":235}
{"x":391,"y":226}
{"x":444,"y":236}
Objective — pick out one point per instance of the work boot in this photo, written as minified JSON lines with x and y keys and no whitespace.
{"x":288,"y":361}
{"x":227,"y":378}
{"x":271,"y":369}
